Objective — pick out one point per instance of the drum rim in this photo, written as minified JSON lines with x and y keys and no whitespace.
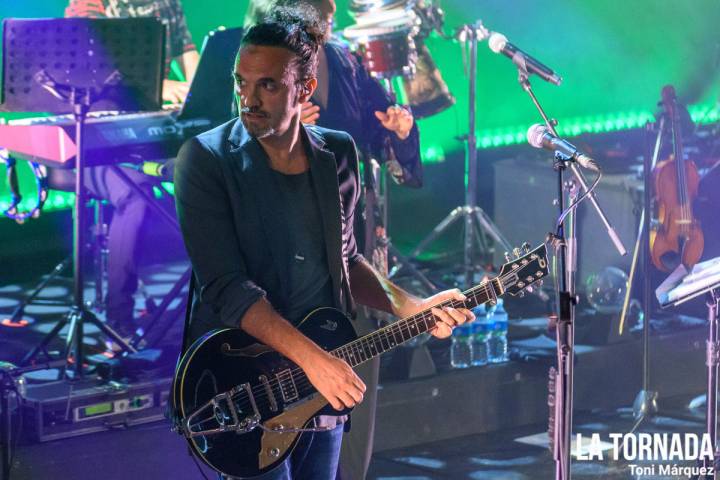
{"x":375,"y":35}
{"x":358,"y":6}
{"x":388,"y":27}
{"x":374,"y":18}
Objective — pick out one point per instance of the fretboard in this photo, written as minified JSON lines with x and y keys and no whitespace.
{"x":397,"y":333}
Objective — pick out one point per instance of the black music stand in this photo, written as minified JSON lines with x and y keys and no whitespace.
{"x":75,"y":65}
{"x":682,"y":286}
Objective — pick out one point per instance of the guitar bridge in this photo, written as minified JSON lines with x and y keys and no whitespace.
{"x":222,"y":414}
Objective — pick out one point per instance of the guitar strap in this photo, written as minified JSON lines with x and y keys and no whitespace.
{"x":188,"y":310}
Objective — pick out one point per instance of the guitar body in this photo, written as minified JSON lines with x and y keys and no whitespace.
{"x":240,"y":404}
{"x":223,"y":360}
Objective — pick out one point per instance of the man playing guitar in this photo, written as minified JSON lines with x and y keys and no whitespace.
{"x":266,"y":205}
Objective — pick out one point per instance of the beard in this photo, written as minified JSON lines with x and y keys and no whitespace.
{"x":257,"y":129}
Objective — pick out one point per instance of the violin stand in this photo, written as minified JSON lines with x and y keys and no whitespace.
{"x":645,"y":404}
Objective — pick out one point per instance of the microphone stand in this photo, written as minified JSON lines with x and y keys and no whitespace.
{"x":565,"y":243}
{"x":475,"y":220}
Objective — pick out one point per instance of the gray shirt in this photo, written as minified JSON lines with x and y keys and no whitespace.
{"x":310,"y":283}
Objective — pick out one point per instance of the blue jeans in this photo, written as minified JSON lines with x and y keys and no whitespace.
{"x":315,"y":457}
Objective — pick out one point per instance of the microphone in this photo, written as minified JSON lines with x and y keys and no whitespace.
{"x":498,"y":43}
{"x":539,"y":137}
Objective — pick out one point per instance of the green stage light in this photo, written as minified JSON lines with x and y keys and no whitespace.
{"x":433,"y":154}
{"x":704,"y":114}
{"x":170,"y":187}
{"x":701,"y":114}
{"x":492,"y":138}
{"x":55,"y":201}
{"x":59,"y":201}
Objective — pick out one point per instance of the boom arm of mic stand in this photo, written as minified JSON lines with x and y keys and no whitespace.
{"x":612,"y":233}
{"x":614,"y":237}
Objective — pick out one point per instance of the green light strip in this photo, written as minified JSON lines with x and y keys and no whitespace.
{"x":56,"y":201}
{"x":701,"y":114}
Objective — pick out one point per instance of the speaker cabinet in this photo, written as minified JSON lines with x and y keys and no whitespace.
{"x":525,"y":190}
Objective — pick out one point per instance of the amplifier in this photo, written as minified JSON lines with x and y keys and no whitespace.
{"x":524,"y":212}
{"x":64,"y":409}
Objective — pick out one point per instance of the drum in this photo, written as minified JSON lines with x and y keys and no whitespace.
{"x":385,"y":42}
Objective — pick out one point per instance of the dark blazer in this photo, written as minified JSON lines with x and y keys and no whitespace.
{"x":234,"y":225}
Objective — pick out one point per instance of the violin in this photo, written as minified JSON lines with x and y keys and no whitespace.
{"x":676,"y":237}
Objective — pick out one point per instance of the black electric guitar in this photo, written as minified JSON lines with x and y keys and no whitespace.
{"x":242,"y":406}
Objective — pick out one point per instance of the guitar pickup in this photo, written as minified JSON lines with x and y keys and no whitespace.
{"x":288,"y":389}
{"x":268,"y":390}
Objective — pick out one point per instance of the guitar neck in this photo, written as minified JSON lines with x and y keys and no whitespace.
{"x":385,"y":339}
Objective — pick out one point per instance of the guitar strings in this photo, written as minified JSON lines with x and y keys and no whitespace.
{"x":299,"y":379}
{"x":259,"y":392}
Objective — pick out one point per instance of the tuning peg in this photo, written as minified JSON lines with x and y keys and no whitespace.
{"x":508,"y":257}
{"x":525,"y":247}
{"x":517,"y":252}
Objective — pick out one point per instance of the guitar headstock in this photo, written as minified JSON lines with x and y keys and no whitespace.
{"x":527,"y":268}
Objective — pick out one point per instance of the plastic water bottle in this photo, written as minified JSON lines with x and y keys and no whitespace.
{"x":461,"y":347}
{"x":481,"y":332}
{"x":497,"y":343}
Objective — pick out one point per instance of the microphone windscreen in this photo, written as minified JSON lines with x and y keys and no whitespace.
{"x":497,"y":42}
{"x":535,"y":135}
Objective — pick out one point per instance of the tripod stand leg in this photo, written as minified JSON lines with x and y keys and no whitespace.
{"x":491,"y":229}
{"x":160,"y":309}
{"x":112,"y":334}
{"x":41,"y":347}
{"x":481,"y":238}
{"x":74,"y":336}
{"x":401,"y":261}
{"x":451,"y":218}
{"x":17,"y":314}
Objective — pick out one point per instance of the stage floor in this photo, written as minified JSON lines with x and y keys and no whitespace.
{"x":153,"y":452}
{"x":451,"y":425}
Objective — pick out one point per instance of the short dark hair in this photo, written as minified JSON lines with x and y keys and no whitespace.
{"x":297,"y":28}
